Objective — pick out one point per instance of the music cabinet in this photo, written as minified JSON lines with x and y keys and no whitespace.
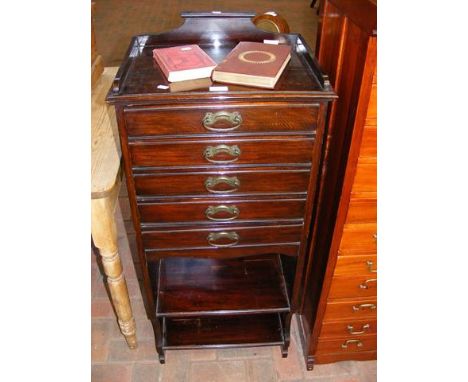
{"x":222,"y":188}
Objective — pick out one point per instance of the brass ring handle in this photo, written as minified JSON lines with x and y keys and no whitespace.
{"x":211,"y":211}
{"x":357,"y":308}
{"x":370,"y":264}
{"x":365,"y":284}
{"x":348,"y":342}
{"x":374,"y":236}
{"x":233,"y":118}
{"x":214,"y":236}
{"x":211,"y":152}
{"x":362,"y":331}
{"x":213,"y":181}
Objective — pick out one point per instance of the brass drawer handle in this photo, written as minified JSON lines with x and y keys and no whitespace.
{"x":215,"y":236}
{"x":357,"y":308}
{"x":370,"y":264}
{"x":211,"y":211}
{"x":213,"y":181}
{"x":211,"y":152}
{"x":362,"y":331}
{"x":365,"y":284}
{"x":234,"y":119}
{"x":374,"y":236}
{"x":348,"y":342}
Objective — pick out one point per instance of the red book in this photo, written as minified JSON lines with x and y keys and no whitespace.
{"x":253,"y":64}
{"x":187,"y":62}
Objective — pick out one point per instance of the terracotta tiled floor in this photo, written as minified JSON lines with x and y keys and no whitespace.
{"x":113,"y":361}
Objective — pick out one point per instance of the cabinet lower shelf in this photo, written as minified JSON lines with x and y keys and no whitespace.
{"x":188,"y":287}
{"x":222,"y":331}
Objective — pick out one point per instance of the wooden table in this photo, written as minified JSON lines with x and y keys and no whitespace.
{"x":105,"y":185}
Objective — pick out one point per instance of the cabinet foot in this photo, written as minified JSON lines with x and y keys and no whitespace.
{"x":310,"y":363}
{"x":162,"y":358}
{"x":284,"y":351}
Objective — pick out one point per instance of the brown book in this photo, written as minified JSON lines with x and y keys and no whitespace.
{"x":253,"y":64}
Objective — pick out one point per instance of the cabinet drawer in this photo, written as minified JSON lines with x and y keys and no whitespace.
{"x":369,"y":142}
{"x":222,"y":183}
{"x":348,"y":328}
{"x":358,"y":286}
{"x":221,"y":237}
{"x":354,"y":309}
{"x":222,"y":152}
{"x":220,"y":119}
{"x":365,"y":179}
{"x":359,"y":239}
{"x":213,"y":210}
{"x":347,"y":344}
{"x":225,"y":253}
{"x":356,"y":265}
{"x":362,"y":211}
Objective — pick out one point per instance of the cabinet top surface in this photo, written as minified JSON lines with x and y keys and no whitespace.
{"x":217,"y":34}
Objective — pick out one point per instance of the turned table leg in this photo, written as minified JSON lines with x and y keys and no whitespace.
{"x":104,"y":234}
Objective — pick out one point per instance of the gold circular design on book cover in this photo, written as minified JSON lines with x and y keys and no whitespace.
{"x":271,"y":57}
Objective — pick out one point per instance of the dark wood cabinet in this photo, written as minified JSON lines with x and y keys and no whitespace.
{"x":222,"y":210}
{"x":337,"y":318}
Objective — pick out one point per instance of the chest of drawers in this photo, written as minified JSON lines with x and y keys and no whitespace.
{"x":221,"y":187}
{"x":339,"y":315}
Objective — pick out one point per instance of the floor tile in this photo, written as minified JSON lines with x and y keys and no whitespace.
{"x":111,"y":373}
{"x":261,"y":370}
{"x":226,"y":371}
{"x":146,"y":372}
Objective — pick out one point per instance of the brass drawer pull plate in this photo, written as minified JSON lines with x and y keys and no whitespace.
{"x":357,"y":308}
{"x":370,"y":264}
{"x":348,"y":342}
{"x":213,"y":181}
{"x":365,"y":284}
{"x":362,"y":331}
{"x":233,"y":119}
{"x":211,"y":152}
{"x":215,"y":236}
{"x":212,"y":211}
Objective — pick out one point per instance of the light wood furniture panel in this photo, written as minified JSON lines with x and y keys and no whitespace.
{"x":341,"y":285}
{"x":105,"y":185}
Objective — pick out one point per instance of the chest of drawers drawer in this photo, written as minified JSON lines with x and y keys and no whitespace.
{"x":348,"y":328}
{"x":221,"y":211}
{"x":358,"y":239}
{"x":226,"y":119}
{"x":183,"y":152}
{"x":347,"y":344}
{"x":351,"y":309}
{"x":362,"y":210}
{"x":356,"y":265}
{"x":353,"y":287}
{"x":231,"y":182}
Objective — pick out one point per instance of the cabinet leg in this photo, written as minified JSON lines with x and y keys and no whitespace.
{"x":104,"y":234}
{"x":284,"y":350}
